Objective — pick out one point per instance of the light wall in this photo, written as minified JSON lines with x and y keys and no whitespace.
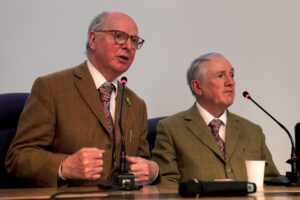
{"x":259,"y":37}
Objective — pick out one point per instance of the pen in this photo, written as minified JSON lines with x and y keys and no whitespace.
{"x":130,"y":135}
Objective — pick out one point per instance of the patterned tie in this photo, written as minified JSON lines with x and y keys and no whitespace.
{"x":215,"y":127}
{"x":105,"y":92}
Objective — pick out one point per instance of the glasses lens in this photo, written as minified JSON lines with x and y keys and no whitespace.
{"x":121,"y":37}
{"x":140,"y":44}
{"x":135,"y":41}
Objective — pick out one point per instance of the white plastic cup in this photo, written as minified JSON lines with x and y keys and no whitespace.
{"x":256,"y":172}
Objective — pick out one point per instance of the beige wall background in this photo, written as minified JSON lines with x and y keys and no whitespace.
{"x":259,"y":37}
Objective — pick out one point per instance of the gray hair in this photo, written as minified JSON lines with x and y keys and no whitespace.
{"x":197,"y":71}
{"x":96,"y":25}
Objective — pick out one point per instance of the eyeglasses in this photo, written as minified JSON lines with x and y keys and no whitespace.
{"x":121,"y":37}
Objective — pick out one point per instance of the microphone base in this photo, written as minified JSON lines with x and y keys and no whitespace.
{"x":126,"y":181}
{"x":123,"y":181}
{"x":294,"y":178}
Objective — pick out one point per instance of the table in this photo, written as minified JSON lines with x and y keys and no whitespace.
{"x":147,"y":192}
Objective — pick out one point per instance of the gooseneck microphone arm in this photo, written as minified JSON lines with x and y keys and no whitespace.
{"x":123,"y":151}
{"x":248,"y":96}
{"x":293,"y":176}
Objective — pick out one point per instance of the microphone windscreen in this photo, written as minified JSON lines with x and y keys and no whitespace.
{"x":246,"y":95}
{"x":123,"y":80}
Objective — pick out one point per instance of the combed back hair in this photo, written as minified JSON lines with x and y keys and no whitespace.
{"x":96,"y":25}
{"x":196,"y":71}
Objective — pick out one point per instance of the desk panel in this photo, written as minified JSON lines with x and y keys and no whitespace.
{"x":147,"y":192}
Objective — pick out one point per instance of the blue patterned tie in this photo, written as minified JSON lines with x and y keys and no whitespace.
{"x":215,"y":127}
{"x":105,"y":91}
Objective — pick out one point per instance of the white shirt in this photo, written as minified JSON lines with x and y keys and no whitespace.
{"x":99,"y":80}
{"x":208,"y":117}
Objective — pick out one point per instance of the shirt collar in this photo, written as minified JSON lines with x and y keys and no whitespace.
{"x":98,"y":77}
{"x":207,"y":117}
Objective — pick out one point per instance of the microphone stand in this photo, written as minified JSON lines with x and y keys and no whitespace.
{"x":125,"y":179}
{"x":293,"y":176}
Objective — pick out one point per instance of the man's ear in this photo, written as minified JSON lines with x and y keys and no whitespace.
{"x":91,"y":38}
{"x":196,"y":87}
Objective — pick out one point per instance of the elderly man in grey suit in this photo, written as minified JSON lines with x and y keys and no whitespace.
{"x":208,"y":142}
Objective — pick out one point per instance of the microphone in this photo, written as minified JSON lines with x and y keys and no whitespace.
{"x":293,"y":176}
{"x":124,"y":180}
{"x":297,"y":141}
{"x":197,"y":188}
{"x":123,"y":151}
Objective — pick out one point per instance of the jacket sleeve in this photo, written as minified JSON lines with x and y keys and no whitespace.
{"x":29,"y":156}
{"x":270,"y":168}
{"x":164,"y":155}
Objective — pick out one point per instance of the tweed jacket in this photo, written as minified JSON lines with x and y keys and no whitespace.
{"x":185,"y":149}
{"x":64,"y":114}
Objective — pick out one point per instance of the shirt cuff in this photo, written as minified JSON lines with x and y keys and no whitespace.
{"x":60,"y":176}
{"x":156,"y":173}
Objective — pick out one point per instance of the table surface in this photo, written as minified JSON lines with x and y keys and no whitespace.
{"x":147,"y":192}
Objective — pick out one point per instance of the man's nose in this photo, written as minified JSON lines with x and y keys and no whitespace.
{"x":128,"y":44}
{"x":229,"y":80}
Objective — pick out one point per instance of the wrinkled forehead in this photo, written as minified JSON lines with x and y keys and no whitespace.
{"x":120,"y":21}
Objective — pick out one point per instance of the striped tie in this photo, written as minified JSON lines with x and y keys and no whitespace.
{"x":215,"y":127}
{"x":105,"y":92}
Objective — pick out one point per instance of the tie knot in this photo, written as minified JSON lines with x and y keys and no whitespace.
{"x":105,"y":91}
{"x":215,"y":124}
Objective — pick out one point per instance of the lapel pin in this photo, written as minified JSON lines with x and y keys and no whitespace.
{"x":128,"y":101}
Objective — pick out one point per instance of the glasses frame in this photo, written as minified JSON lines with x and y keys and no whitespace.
{"x":140,"y":40}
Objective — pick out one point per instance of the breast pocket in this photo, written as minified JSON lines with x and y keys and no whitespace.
{"x":251,"y":153}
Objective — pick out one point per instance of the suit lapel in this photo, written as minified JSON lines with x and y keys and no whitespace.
{"x":233,"y":131}
{"x":87,"y":89}
{"x":200,"y":130}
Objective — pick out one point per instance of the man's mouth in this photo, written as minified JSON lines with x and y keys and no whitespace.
{"x":228,"y":91}
{"x":124,"y":57}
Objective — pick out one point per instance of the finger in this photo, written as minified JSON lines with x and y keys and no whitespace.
{"x":93,"y":163}
{"x":90,"y":173}
{"x":139,"y":166}
{"x":94,"y":154}
{"x":136,"y":168}
{"x":141,"y":180}
{"x":95,"y":171}
{"x":91,"y":149}
{"x":225,"y":179}
{"x":138,"y":174}
{"x":95,"y":177}
{"x":132,"y":159}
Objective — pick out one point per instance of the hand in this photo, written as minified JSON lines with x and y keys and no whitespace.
{"x":85,"y":164}
{"x":224,"y":179}
{"x":145,"y":171}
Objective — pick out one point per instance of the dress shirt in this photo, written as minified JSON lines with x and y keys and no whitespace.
{"x":99,"y":80}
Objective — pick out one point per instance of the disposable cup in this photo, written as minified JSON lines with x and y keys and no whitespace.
{"x":256,"y":172}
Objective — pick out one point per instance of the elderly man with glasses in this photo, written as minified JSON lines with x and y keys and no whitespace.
{"x":67,"y":134}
